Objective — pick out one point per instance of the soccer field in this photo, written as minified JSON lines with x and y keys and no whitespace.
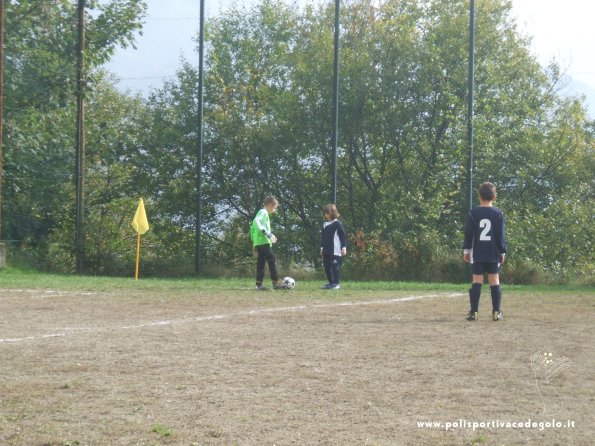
{"x":217,"y":365}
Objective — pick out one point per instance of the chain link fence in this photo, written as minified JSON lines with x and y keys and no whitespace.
{"x":125,"y":77}
{"x":266,"y":127}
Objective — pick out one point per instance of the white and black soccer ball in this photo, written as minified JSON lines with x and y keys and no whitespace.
{"x":288,"y":283}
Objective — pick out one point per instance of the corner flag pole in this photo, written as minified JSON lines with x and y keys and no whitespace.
{"x":140,"y":225}
{"x":137,"y":256}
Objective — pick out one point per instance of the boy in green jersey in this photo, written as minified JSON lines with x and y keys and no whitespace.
{"x":262,"y":241}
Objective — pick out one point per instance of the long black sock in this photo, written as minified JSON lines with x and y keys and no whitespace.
{"x":474,"y":295}
{"x":496,"y":297}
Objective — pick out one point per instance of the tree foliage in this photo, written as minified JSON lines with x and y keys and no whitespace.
{"x":402,"y":143}
{"x":40,"y":109}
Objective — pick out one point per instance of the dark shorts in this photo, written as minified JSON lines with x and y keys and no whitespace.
{"x":485,"y":267}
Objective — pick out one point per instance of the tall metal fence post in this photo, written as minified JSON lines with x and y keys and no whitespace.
{"x":197,"y":262}
{"x":335,"y":105}
{"x":2,"y":251}
{"x":80,"y":139}
{"x":470,"y":104}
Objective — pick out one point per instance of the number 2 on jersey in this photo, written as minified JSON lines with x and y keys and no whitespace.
{"x":486,"y":224}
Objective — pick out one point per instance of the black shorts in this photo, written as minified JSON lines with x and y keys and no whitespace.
{"x":485,"y":267}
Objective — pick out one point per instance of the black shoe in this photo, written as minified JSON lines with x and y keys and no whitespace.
{"x":278,"y":285}
{"x":472,"y":316}
{"x":261,"y":287}
{"x":497,"y":316}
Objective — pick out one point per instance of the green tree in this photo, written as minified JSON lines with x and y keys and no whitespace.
{"x":40,"y":112}
{"x":402,"y":138}
{"x":402,"y":145}
{"x":253,"y":144}
{"x":113,"y":185}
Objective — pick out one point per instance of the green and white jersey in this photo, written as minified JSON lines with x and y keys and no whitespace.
{"x":261,"y":226}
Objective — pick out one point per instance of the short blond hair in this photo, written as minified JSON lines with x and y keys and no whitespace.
{"x":268,"y":200}
{"x":331,"y":209}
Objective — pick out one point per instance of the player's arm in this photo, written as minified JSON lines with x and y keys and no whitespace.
{"x":342,"y":239}
{"x":263,"y":228}
{"x":468,"y":241}
{"x":501,"y":233}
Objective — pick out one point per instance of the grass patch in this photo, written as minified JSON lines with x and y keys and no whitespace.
{"x":162,"y":431}
{"x":479,"y":439}
{"x":13,"y":277}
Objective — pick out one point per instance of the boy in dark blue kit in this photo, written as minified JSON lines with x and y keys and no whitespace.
{"x":333,"y":246}
{"x":485,"y":249}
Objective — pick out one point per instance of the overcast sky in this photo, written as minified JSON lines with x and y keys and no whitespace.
{"x":563,"y":30}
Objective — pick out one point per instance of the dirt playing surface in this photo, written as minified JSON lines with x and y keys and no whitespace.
{"x":143,"y":367}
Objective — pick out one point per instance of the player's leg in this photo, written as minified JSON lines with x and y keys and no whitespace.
{"x":327,"y":264}
{"x":494,"y":281}
{"x":260,"y":262}
{"x":335,"y":265}
{"x":475,"y":291}
{"x":272,"y":262}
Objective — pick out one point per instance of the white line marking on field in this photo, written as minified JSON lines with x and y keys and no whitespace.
{"x":48,"y":293}
{"x":215,"y":317}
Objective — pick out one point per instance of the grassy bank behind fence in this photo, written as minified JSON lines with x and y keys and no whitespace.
{"x":11,"y":277}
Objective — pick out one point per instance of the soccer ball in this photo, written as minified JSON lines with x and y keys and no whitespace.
{"x":288,"y":283}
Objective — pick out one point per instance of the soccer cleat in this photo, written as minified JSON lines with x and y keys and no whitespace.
{"x":497,"y":316}
{"x":326,"y":286}
{"x":335,"y":286}
{"x":472,"y":316}
{"x":261,"y":287}
{"x":278,"y":285}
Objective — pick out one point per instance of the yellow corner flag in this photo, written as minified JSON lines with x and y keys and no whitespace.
{"x":140,"y":225}
{"x":140,"y":222}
